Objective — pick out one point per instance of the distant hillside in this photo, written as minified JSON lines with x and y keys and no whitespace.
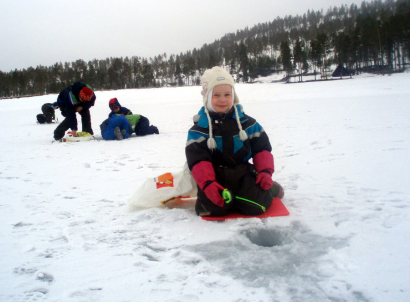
{"x":374,"y":37}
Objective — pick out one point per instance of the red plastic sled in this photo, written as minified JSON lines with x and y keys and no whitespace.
{"x":276,"y":209}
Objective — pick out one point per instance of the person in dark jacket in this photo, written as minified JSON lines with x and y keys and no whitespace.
{"x":219,"y":147}
{"x":76,"y":98}
{"x":49,"y":111}
{"x":139,"y":124}
{"x":48,"y":115}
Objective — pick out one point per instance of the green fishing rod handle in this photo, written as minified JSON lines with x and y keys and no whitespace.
{"x":227,"y":196}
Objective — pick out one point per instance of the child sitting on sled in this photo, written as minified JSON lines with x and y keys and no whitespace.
{"x":218,"y":149}
{"x":139,"y":123}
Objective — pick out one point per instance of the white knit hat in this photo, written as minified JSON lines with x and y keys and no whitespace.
{"x":211,"y":78}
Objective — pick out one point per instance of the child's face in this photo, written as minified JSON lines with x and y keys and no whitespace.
{"x":222,"y":98}
{"x":116,"y":109}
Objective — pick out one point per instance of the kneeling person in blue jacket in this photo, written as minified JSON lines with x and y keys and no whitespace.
{"x":116,"y":127}
{"x":139,"y":123}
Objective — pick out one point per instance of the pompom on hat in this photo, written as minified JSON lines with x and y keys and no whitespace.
{"x":86,"y":94}
{"x":211,"y":78}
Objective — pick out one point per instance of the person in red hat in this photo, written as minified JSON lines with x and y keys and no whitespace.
{"x":76,"y":98}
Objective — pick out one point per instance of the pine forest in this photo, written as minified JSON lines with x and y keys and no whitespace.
{"x":374,"y":37}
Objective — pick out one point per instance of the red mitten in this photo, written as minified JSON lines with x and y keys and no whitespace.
{"x":212,"y":191}
{"x":263,"y":162}
{"x":204,"y":175}
{"x":264,"y":180}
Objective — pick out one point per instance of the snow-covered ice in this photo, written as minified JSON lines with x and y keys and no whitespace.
{"x":341,"y":152}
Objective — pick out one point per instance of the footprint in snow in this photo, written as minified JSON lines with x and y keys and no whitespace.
{"x":43,"y":277}
{"x":35,"y":294}
{"x":23,"y":270}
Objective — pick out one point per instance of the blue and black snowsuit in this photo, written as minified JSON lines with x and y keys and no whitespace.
{"x":68,"y":100}
{"x":229,"y":160}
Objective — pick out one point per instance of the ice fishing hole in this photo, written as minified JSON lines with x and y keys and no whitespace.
{"x":264,"y":237}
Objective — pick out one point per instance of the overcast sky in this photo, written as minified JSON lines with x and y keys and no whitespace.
{"x":43,"y":32}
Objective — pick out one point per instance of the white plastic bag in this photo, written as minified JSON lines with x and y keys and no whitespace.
{"x":155,"y":191}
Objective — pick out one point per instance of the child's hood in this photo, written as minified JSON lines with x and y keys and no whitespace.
{"x":114,"y":102}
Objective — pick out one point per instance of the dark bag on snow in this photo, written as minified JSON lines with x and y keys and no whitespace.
{"x":41,"y":118}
